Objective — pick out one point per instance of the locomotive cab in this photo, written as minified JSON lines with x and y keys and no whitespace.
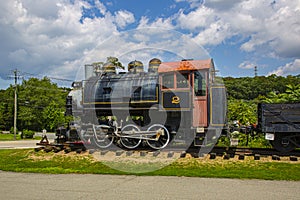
{"x":190,"y":86}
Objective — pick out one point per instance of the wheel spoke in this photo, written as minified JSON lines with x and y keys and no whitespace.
{"x":102,"y":136}
{"x":163,"y":139}
{"x":130,"y":143}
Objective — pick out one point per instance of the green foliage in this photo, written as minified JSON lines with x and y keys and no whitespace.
{"x":248,"y":88}
{"x":6,"y":108}
{"x":53,"y":115}
{"x":243,"y":111}
{"x":291,"y":95}
{"x":12,"y":131}
{"x":27,"y":134}
{"x":115,"y":62}
{"x":36,"y":99}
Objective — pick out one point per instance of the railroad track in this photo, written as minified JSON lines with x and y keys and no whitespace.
{"x":256,"y":153}
{"x":224,"y":152}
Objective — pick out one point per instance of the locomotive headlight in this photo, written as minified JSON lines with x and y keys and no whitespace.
{"x":77,"y":84}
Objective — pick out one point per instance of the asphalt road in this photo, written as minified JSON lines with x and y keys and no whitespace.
{"x":75,"y":186}
{"x":18,"y":144}
{"x":24,"y":144}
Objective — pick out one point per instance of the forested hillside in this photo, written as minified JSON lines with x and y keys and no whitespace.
{"x":250,"y":88}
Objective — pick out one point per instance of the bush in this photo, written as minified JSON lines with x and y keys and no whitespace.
{"x":12,"y":130}
{"x":27,"y":134}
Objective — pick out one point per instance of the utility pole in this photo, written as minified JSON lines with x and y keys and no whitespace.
{"x":15,"y":112}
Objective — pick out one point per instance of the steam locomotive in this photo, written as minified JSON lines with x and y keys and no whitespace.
{"x":178,"y":104}
{"x":174,"y":104}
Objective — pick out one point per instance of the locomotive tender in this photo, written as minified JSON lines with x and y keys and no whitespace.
{"x":172,"y":104}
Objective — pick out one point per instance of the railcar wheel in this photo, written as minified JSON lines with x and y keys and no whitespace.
{"x":102,"y":136}
{"x":161,"y":139}
{"x":281,"y":143}
{"x":128,"y":142}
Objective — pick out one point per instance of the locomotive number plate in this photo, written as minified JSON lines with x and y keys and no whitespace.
{"x":176,"y":100}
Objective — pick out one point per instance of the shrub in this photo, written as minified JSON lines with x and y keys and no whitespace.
{"x":27,"y":134}
{"x":12,"y":130}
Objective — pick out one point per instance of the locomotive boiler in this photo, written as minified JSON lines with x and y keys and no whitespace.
{"x":178,"y":103}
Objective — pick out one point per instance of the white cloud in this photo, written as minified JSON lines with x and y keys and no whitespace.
{"x":124,"y":18}
{"x":269,"y":26}
{"x":193,"y":3}
{"x":289,"y":68}
{"x":42,"y":42}
{"x":158,"y":23}
{"x":42,"y":8}
{"x":247,"y":65}
{"x":215,"y":34}
{"x":199,"y":18}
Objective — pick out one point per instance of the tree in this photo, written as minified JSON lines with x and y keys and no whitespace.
{"x":36,"y":96}
{"x":6,"y":108}
{"x":248,"y":88}
{"x":243,"y":111}
{"x":53,"y":115}
{"x":291,"y":95}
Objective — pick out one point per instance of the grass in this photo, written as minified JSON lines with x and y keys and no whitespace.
{"x":10,"y":137}
{"x":40,"y":162}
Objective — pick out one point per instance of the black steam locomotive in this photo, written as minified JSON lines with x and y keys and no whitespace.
{"x":172,"y":104}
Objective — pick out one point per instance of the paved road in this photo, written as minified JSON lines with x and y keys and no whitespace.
{"x":24,"y":144}
{"x":18,"y":144}
{"x":74,"y":186}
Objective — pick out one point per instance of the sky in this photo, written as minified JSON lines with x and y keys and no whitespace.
{"x":56,"y":38}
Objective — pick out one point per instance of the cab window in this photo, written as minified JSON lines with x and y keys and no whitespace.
{"x":199,"y":83}
{"x":168,"y":81}
{"x":182,"y":80}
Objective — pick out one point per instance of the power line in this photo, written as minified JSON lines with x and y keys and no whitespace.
{"x":50,"y":77}
{"x":61,"y":82}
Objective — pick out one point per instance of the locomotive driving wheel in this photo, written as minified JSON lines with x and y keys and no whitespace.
{"x":283,"y":142}
{"x":161,"y":138}
{"x":102,"y":136}
{"x":128,"y":139}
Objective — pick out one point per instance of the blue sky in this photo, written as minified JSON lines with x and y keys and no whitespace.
{"x":55,"y":38}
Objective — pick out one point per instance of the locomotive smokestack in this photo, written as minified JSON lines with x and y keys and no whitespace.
{"x":89,"y":71}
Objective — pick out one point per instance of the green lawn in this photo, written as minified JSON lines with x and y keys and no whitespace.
{"x":41,"y":162}
{"x":10,"y":137}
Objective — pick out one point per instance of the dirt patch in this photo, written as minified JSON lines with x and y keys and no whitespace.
{"x":37,"y":156}
{"x":136,"y":157}
{"x":149,"y":157}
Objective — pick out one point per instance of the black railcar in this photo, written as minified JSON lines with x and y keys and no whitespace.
{"x":281,"y":125}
